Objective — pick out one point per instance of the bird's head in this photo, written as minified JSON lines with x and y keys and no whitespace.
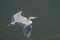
{"x":32,"y":18}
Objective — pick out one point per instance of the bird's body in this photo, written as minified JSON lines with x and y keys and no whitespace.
{"x":19,"y":18}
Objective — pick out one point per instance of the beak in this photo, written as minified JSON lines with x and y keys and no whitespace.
{"x":36,"y":17}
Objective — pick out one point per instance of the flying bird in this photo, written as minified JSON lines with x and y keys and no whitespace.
{"x":26,"y":23}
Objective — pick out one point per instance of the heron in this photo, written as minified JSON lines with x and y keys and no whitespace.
{"x":25,"y":22}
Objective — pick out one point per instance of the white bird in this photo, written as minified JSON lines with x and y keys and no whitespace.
{"x":26,"y":23}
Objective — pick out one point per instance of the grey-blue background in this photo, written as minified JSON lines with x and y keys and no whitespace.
{"x":45,"y":27}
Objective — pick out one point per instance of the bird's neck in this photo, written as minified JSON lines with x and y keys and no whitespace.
{"x":29,"y":19}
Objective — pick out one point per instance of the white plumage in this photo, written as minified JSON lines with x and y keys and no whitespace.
{"x":18,"y":18}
